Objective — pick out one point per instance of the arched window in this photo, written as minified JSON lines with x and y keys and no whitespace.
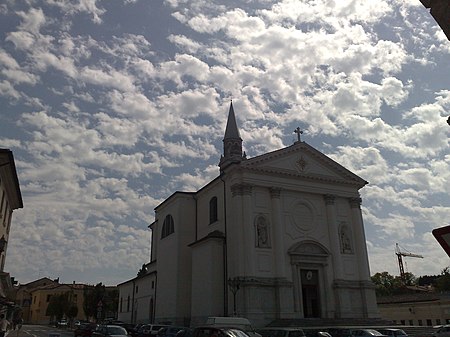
{"x":213,"y":210}
{"x":168,"y":227}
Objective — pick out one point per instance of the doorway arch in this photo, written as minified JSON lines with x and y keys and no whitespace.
{"x":310,"y":262}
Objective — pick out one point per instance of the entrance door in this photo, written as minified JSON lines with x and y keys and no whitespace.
{"x":310,"y":293}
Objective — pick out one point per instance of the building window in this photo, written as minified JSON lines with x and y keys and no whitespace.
{"x":438,"y":321}
{"x":429,"y":322}
{"x":120,"y":306}
{"x":153,"y":284}
{"x":168,"y":227}
{"x":411,"y":322}
{"x":402,"y":322}
{"x":128,"y":303}
{"x":213,"y":210}
{"x":420,"y":322}
{"x":137,"y":288}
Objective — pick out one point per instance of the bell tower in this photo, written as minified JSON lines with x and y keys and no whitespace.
{"x":232,"y":142}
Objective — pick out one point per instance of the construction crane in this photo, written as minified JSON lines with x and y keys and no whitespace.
{"x":400,"y":255}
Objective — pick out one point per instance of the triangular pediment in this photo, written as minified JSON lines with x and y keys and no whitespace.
{"x":304,"y":161}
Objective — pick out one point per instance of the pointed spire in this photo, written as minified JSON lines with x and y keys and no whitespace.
{"x":232,"y":142}
{"x":231,"y":130}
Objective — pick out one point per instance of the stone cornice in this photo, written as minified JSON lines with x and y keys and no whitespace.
{"x":309,"y":177}
{"x":241,"y":189}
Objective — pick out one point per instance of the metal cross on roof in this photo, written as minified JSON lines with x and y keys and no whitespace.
{"x":298,"y":131}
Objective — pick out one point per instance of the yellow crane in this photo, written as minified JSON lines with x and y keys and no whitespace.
{"x":400,"y":255}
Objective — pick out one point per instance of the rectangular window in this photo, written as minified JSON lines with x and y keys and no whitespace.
{"x":6,"y":213}
{"x":153,"y":284}
{"x":411,"y":322}
{"x":402,"y":321}
{"x":1,"y":204}
{"x":429,"y":322}
{"x":420,"y":322}
{"x":438,"y":321}
{"x":137,"y":289}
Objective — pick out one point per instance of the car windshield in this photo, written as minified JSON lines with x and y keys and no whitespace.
{"x":116,"y":330}
{"x":235,"y":333}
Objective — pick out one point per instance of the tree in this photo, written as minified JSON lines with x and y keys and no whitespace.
{"x":100,"y":302}
{"x":58,"y":306}
{"x":443,"y":281}
{"x":386,"y":284}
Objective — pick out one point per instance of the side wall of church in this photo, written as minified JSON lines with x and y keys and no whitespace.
{"x":205,"y":225}
{"x":144,"y":299}
{"x":174,"y":260}
{"x":207,"y":280}
{"x":125,"y":302}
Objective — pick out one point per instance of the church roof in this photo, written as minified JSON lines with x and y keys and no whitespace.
{"x":303,"y":161}
{"x":231,"y":130}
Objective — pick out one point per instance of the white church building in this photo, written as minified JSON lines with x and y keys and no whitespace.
{"x":276,"y":236}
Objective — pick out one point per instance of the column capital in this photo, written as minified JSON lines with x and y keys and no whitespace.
{"x":275,"y":192}
{"x":241,"y":189}
{"x":329,"y":199}
{"x":355,"y":202}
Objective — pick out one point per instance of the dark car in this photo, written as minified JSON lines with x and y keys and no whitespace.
{"x":393,"y":332}
{"x":169,"y":331}
{"x":134,"y":331}
{"x":212,"y":331}
{"x":281,"y":332}
{"x":367,"y":333}
{"x":110,"y":331}
{"x":85,"y":330}
{"x":185,"y":332}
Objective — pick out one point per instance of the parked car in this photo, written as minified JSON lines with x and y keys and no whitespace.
{"x":62,"y":323}
{"x":442,"y":331}
{"x":169,"y":331}
{"x":367,"y":333}
{"x":214,"y":331}
{"x":281,"y":332}
{"x":150,"y":330}
{"x":85,"y":330}
{"x":185,"y":332}
{"x":240,"y":323}
{"x":127,"y":326}
{"x":135,"y":330}
{"x":393,"y":332}
{"x":110,"y":331}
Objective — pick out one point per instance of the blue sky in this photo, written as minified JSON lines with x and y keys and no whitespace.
{"x":110,"y":106}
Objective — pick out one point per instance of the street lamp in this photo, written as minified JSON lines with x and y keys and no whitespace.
{"x":3,"y":243}
{"x":234,"y":284}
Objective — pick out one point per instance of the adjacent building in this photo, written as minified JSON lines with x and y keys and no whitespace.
{"x":280,"y":235}
{"x":10,"y":200}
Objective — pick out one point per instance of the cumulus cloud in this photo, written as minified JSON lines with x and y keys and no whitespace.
{"x":110,"y":116}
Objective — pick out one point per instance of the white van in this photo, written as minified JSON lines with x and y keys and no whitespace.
{"x":233,"y":322}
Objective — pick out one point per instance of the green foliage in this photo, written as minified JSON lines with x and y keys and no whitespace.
{"x":386,"y":284}
{"x":443,"y":282}
{"x":100,"y":302}
{"x":59,"y":306}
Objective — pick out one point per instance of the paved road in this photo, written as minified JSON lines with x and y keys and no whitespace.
{"x":39,"y":331}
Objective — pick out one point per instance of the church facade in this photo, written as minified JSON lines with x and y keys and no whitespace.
{"x":276,"y":236}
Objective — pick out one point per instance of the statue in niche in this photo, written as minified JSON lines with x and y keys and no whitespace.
{"x":262,"y":233}
{"x":346,"y":245}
